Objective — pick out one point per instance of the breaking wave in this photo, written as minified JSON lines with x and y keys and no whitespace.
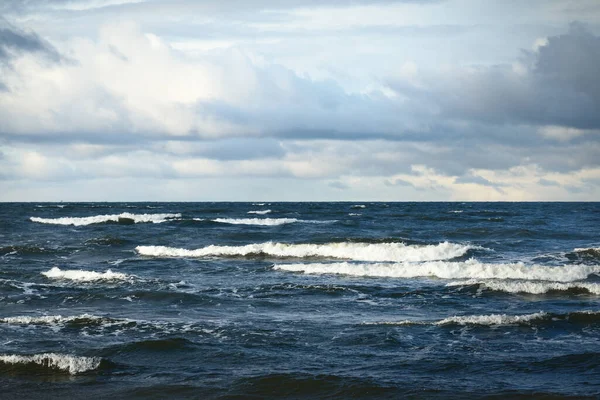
{"x":53,"y":361}
{"x":257,"y":221}
{"x":259,"y":212}
{"x":532,"y":287}
{"x":343,"y":250}
{"x":99,"y":219}
{"x":585,"y":317}
{"x":56,"y":320}
{"x":471,"y":269}
{"x":267,"y":221}
{"x":84,"y":276}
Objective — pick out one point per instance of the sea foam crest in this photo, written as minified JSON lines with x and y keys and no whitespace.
{"x":493,"y":319}
{"x":342,"y":250}
{"x":448,"y":270}
{"x":259,"y":212}
{"x":64,"y":362}
{"x":530,"y":287}
{"x":489,"y":320}
{"x":256,"y":221}
{"x":48,"y":319}
{"x":84,"y":276}
{"x":98,"y":219}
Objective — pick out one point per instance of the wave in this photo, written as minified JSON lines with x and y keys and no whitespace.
{"x":532,"y":287}
{"x":592,"y":253}
{"x":267,"y":221}
{"x":24,"y":250}
{"x":257,"y":221}
{"x":448,"y":270}
{"x":259,"y":212}
{"x":84,"y":276}
{"x":582,"y":317}
{"x":63,"y":362}
{"x":343,"y":250}
{"x":124,"y":218}
{"x":84,"y":319}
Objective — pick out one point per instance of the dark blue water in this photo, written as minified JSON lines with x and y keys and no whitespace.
{"x":300,"y":300}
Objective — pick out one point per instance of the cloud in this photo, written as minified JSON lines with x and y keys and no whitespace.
{"x":131,"y":106}
{"x":555,"y":85}
{"x":14,"y":41}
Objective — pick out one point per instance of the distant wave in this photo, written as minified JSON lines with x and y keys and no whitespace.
{"x":100,"y":324}
{"x":84,"y":276}
{"x":23,"y":249}
{"x":584,"y":317}
{"x":343,"y":250}
{"x":55,"y":320}
{"x":63,"y":362}
{"x":260,"y":212}
{"x":99,"y":219}
{"x":532,"y":287}
{"x":449,"y":270}
{"x":267,"y":221}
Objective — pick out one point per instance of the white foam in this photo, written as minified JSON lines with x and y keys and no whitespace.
{"x":256,"y":221}
{"x":84,"y":276}
{"x":489,"y":320}
{"x":260,"y":212}
{"x":531,"y":287}
{"x":343,"y":250}
{"x":493,"y":319}
{"x":64,"y":362}
{"x":449,"y":270}
{"x":98,"y":219}
{"x":47,"y":319}
{"x":358,"y":206}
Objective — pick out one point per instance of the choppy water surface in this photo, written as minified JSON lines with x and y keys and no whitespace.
{"x":302,"y":300}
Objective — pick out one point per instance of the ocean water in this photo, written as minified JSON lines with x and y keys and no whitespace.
{"x":299,"y":300}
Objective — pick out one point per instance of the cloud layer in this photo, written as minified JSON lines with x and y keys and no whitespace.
{"x":123,"y":104}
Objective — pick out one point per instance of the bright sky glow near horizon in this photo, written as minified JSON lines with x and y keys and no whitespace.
{"x":299,"y":100}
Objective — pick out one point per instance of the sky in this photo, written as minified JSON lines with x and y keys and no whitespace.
{"x":299,"y":100}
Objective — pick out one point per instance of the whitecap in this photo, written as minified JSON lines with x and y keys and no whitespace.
{"x":531,"y":287}
{"x":342,"y":250}
{"x":84,"y":276}
{"x":259,"y":212}
{"x":98,"y":219}
{"x":493,"y":319}
{"x":448,"y":270}
{"x":257,"y":221}
{"x":487,"y":320}
{"x":64,"y":362}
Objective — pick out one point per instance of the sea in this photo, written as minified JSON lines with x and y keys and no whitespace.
{"x":271,"y":300}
